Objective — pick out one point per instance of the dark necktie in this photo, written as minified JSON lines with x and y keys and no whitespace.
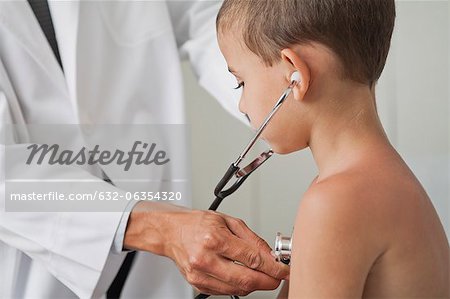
{"x":117,"y":285}
{"x":115,"y":289}
{"x":42,"y":13}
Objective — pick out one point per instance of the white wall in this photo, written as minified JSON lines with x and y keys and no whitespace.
{"x":413,"y":102}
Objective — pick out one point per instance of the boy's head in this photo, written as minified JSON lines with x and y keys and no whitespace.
{"x":263,"y":41}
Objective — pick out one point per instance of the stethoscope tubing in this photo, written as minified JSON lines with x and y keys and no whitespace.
{"x":234,"y":167}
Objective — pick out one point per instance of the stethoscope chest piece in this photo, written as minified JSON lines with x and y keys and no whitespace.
{"x":283,"y":248}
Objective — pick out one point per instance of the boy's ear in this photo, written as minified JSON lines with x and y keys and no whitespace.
{"x":296,"y":63}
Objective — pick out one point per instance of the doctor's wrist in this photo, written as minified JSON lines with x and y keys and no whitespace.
{"x":148,"y":227}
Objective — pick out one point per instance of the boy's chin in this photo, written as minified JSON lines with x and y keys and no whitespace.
{"x":281,"y":149}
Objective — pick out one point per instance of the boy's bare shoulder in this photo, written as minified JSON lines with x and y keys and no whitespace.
{"x":354,"y":204}
{"x":336,"y":237}
{"x":361,"y":195}
{"x":377,"y":194}
{"x":347,"y":193}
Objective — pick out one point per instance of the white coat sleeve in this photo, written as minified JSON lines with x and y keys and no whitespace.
{"x":194,"y":23}
{"x":71,"y":245}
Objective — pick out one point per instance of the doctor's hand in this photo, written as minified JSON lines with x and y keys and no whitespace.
{"x":216,"y":253}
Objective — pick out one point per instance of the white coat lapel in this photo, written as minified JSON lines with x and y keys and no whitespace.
{"x":18,"y":18}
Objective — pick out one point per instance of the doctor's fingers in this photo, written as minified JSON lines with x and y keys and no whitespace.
{"x":240,"y":229}
{"x":237,"y":275}
{"x":206,"y":284}
{"x":253,"y":257}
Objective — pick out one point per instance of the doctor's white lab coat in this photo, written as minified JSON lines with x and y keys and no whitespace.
{"x":121,"y":66}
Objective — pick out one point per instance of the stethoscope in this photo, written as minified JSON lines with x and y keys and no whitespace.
{"x":282,"y":244}
{"x":283,"y":248}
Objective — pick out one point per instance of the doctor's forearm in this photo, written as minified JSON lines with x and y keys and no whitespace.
{"x":147,"y":227}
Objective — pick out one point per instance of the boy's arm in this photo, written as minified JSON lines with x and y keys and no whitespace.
{"x":334,"y":244}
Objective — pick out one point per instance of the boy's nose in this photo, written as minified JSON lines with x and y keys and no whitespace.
{"x":242,"y":107}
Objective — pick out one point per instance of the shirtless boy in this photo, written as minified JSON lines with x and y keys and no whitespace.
{"x":365,"y":227}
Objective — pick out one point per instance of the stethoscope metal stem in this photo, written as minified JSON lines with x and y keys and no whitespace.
{"x":265,"y":122}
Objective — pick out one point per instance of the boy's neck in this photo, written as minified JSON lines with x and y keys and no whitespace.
{"x":347,"y":130}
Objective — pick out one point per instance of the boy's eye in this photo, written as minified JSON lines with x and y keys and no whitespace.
{"x":240,"y":84}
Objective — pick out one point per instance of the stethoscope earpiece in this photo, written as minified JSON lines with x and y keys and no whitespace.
{"x":296,"y":77}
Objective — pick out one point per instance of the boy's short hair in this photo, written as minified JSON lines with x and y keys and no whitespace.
{"x":357,"y":31}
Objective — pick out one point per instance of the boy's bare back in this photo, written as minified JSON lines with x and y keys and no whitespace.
{"x":369,"y":231}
